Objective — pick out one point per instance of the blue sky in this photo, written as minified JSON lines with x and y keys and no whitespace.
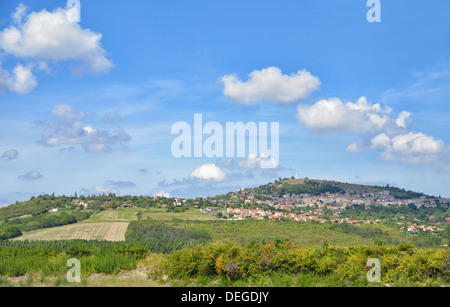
{"x":88,"y":107}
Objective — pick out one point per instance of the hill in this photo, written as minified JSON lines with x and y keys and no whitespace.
{"x":318,"y":187}
{"x":50,"y":217}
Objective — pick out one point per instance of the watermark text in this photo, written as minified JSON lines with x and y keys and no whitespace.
{"x":229,"y":141}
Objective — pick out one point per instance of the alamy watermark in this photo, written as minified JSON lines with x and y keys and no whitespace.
{"x":374,"y":274}
{"x":74,"y":274}
{"x":374,"y":14}
{"x":73,"y":10}
{"x":229,"y":141}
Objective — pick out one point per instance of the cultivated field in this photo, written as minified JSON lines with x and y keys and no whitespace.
{"x":109,"y":225}
{"x":189,"y":215}
{"x":110,"y":231}
{"x":119,"y":215}
{"x":128,"y":215}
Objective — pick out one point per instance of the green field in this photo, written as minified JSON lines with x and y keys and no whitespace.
{"x":130,"y":214}
{"x":109,"y":224}
{"x":188,"y":215}
{"x":118,"y":215}
{"x":308,"y":234}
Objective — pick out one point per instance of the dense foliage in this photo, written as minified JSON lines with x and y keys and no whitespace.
{"x":48,"y":220}
{"x":275,"y":263}
{"x":34,"y":206}
{"x":166,"y":237}
{"x":18,"y":258}
{"x":9,"y":232}
{"x":342,"y":266}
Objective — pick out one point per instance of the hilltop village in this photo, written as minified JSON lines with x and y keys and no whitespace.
{"x":327,"y":207}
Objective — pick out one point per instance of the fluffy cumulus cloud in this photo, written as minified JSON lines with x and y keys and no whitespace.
{"x":43,"y":37}
{"x":381,"y":141}
{"x":31,"y":175}
{"x":335,"y":115}
{"x":379,"y":130}
{"x":68,"y":114}
{"x":270,"y":84}
{"x":403,"y":119}
{"x":10,"y":155}
{"x":255,"y":162}
{"x":411,"y":148}
{"x":71,"y":130}
{"x":162,"y":194}
{"x":22,"y":80}
{"x":208,"y":171}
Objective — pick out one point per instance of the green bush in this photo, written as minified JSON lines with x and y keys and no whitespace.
{"x":9,"y":233}
{"x":345,"y":265}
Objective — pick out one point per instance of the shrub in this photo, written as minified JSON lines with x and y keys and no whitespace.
{"x":347,"y":265}
{"x":9,"y":233}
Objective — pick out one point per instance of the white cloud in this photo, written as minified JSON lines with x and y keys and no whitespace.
{"x":335,"y":115}
{"x":22,"y":81}
{"x":70,"y":130}
{"x":381,"y":141}
{"x":52,"y":36}
{"x":411,"y":148}
{"x":389,"y":135}
{"x":417,"y":143}
{"x":355,"y":147}
{"x":68,"y":113}
{"x":43,"y":37}
{"x":208,"y":171}
{"x":254,"y":162}
{"x":31,"y":175}
{"x":10,"y":155}
{"x":162,"y":194}
{"x":19,"y":14}
{"x":270,"y":84}
{"x":402,"y":119}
